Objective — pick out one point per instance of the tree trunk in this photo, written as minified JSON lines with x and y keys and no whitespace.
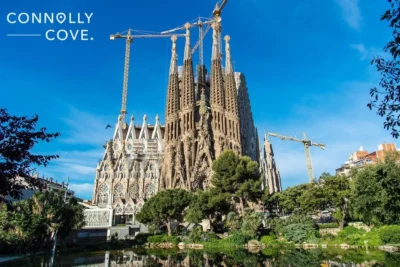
{"x":169,"y":227}
{"x":341,"y":224}
{"x":241,"y":205}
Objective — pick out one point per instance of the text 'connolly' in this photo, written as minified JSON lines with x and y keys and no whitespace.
{"x":49,"y":18}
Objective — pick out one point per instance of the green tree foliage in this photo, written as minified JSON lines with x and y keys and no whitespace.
{"x":386,"y":99}
{"x":251,"y":223}
{"x":336,"y":190}
{"x":17,"y":137}
{"x":288,"y":200}
{"x":376,"y":196}
{"x":278,"y":224}
{"x":237,"y":176}
{"x":299,"y":232}
{"x":390,"y":234}
{"x":313,"y":198}
{"x":232,"y":221}
{"x":32,"y":223}
{"x":208,"y":204}
{"x":165,"y":207}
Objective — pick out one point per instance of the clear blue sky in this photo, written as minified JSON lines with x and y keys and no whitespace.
{"x":307,"y":65}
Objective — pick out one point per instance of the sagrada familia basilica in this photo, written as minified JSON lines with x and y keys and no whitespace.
{"x":204,"y":116}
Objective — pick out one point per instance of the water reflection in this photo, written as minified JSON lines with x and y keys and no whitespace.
{"x":268,"y":258}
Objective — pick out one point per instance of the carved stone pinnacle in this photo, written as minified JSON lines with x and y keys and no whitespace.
{"x":174,"y":38}
{"x":187,"y":26}
{"x":227,"y":38}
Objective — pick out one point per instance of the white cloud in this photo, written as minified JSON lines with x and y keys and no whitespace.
{"x":80,"y":151}
{"x":351,"y":13}
{"x":367,"y":53}
{"x":361,"y":49}
{"x":86,"y":128}
{"x":82,"y":190}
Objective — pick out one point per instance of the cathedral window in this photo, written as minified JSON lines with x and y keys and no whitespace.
{"x":118,"y":209}
{"x":149,"y":192}
{"x":103,"y":194}
{"x":129,"y":209}
{"x":134,"y":190}
{"x":118,"y":191}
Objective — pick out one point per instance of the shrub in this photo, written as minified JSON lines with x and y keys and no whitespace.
{"x":328,"y":225}
{"x":250,"y":225}
{"x":299,"y":232}
{"x":141,"y":238}
{"x":352,"y":236}
{"x":328,"y":237}
{"x":163,"y":239}
{"x":278,"y":224}
{"x":373,"y":238}
{"x":195,"y":234}
{"x":268,"y":240}
{"x":237,"y":238}
{"x":390,"y":234}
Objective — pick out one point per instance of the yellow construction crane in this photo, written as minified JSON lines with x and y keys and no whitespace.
{"x":202,"y":33}
{"x":307,"y":143}
{"x":129,"y":39}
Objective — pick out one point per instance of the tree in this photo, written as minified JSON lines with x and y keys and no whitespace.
{"x":17,"y":137}
{"x":376,"y":197}
{"x":387,"y":101}
{"x":32,"y":223}
{"x":237,"y":176}
{"x":337,"y":192}
{"x":208,"y":204}
{"x":165,"y":207}
{"x":313,"y":198}
{"x":289,"y":199}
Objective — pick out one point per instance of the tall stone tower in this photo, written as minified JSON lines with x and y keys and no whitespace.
{"x":249,"y":136}
{"x":199,"y":125}
{"x":232,"y":122}
{"x":268,"y":167}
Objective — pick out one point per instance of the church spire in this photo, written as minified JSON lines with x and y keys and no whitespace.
{"x":188,"y":99}
{"x":217,"y":88}
{"x":228,"y":64}
{"x":188,"y":93}
{"x":173,"y":89}
{"x":217,"y":95}
{"x":188,"y":52}
{"x":173,"y":67}
{"x":231,"y":102}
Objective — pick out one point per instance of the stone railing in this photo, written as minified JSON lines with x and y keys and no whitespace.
{"x":98,"y":218}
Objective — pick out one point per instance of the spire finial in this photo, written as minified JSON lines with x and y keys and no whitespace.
{"x":188,"y":52}
{"x":157,"y":118}
{"x":173,"y":68}
{"x":215,"y":50}
{"x":144,"y":117}
{"x":132,"y":118}
{"x":228,"y":64}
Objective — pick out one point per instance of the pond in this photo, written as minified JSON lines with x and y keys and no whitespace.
{"x":266,"y":257}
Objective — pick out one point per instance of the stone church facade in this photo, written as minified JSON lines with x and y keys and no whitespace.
{"x":205,"y":115}
{"x":129,"y":171}
{"x":200,"y":124}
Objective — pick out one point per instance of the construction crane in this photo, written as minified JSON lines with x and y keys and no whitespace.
{"x":307,"y":144}
{"x":202,"y":33}
{"x":129,"y":39}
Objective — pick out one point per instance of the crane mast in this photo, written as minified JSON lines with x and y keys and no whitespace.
{"x":307,"y":144}
{"x":129,"y":39}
